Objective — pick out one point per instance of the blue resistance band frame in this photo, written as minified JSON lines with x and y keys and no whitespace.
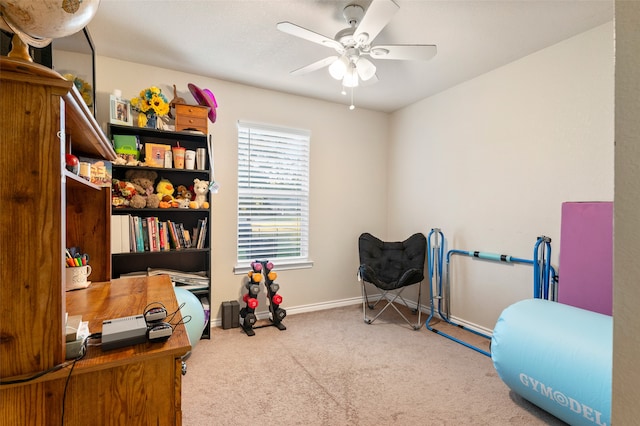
{"x":544,"y":278}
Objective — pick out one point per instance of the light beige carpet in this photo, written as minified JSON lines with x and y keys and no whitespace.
{"x":330,"y":368}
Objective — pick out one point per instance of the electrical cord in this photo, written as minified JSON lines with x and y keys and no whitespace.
{"x":185,"y":319}
{"x":37,"y":375}
{"x":83,"y":352}
{"x":55,"y":368}
{"x":172,"y":315}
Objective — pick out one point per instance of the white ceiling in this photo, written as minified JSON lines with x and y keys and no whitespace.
{"x":237,"y":40}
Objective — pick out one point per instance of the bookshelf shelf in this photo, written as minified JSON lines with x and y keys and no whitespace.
{"x":159,"y":253}
{"x":79,"y":182}
{"x":204,"y":173}
{"x":146,"y":211}
{"x":127,"y":255}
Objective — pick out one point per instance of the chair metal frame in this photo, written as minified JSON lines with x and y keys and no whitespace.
{"x":395,"y":294}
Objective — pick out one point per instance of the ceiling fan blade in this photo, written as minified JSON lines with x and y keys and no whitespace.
{"x":375,"y":19}
{"x":411,"y":52}
{"x":298,"y":31}
{"x":315,"y":66}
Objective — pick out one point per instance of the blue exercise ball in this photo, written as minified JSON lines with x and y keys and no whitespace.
{"x":192,"y":307}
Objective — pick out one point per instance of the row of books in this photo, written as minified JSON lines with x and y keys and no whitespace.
{"x":133,"y":234}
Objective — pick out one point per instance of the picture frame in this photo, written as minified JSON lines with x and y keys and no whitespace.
{"x":120,"y":111}
{"x":155,"y":154}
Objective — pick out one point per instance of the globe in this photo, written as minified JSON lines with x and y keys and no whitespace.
{"x":36,"y":22}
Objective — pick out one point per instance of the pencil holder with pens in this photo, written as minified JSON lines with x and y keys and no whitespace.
{"x":76,"y":277}
{"x":77,"y":269}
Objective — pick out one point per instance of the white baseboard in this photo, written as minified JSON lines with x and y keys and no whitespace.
{"x":302,"y":309}
{"x":426,"y":310}
{"x":472,"y":326}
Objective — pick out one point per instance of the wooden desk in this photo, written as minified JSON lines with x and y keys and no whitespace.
{"x":134,"y":385}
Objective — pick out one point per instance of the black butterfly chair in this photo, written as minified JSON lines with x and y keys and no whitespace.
{"x":391,"y":267}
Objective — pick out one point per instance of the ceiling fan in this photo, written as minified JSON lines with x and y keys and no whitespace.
{"x":355,"y":43}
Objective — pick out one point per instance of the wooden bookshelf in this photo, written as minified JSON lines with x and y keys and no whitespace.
{"x":45,"y":209}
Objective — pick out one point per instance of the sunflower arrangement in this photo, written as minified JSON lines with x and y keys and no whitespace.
{"x":150,"y":103}
{"x":85,"y":89}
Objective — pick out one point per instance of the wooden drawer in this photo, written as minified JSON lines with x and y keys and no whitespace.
{"x":192,"y":117}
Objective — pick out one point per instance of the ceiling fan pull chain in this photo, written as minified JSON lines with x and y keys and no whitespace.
{"x":352,"y":106}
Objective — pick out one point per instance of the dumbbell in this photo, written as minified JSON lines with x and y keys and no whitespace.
{"x":252,"y":303}
{"x":276,"y":299}
{"x":280,"y":314}
{"x":250,"y":320}
{"x":253,"y":288}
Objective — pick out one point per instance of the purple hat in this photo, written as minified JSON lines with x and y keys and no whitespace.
{"x":205,"y":98}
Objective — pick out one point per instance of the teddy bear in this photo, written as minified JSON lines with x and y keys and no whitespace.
{"x":142,"y":181}
{"x":200,"y":189}
{"x":164,"y":190}
{"x":183,"y":197}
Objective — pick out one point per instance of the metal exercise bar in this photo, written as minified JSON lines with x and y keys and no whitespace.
{"x":543,"y":273}
{"x":435,"y":254}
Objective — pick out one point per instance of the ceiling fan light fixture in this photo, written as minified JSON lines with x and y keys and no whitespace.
{"x":352,"y":44}
{"x":350,"y":78}
{"x":339,"y":67}
{"x":365,"y":69}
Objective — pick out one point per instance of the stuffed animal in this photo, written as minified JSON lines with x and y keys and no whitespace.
{"x":200,"y":189}
{"x":142,"y":181}
{"x":127,"y":159}
{"x":165,"y":190}
{"x":121,"y":193}
{"x":183,"y":197}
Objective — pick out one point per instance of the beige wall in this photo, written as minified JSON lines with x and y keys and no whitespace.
{"x":491,"y":187}
{"x":348,"y":177}
{"x":442,"y":162}
{"x":491,"y":160}
{"x":626,"y":320}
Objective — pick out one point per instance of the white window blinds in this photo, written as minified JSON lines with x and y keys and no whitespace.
{"x":273,"y":193}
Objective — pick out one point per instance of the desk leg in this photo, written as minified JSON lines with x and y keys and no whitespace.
{"x":178,"y":386}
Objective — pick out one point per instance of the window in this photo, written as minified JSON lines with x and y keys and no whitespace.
{"x":273,"y":196}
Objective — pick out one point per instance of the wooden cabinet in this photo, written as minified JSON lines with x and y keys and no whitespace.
{"x":192,"y":117}
{"x":136,"y":385}
{"x":189,"y":260}
{"x":45,"y":209}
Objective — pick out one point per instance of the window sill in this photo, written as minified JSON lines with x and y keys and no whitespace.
{"x":279,"y":266}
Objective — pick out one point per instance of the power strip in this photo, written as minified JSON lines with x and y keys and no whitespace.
{"x":125,"y":331}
